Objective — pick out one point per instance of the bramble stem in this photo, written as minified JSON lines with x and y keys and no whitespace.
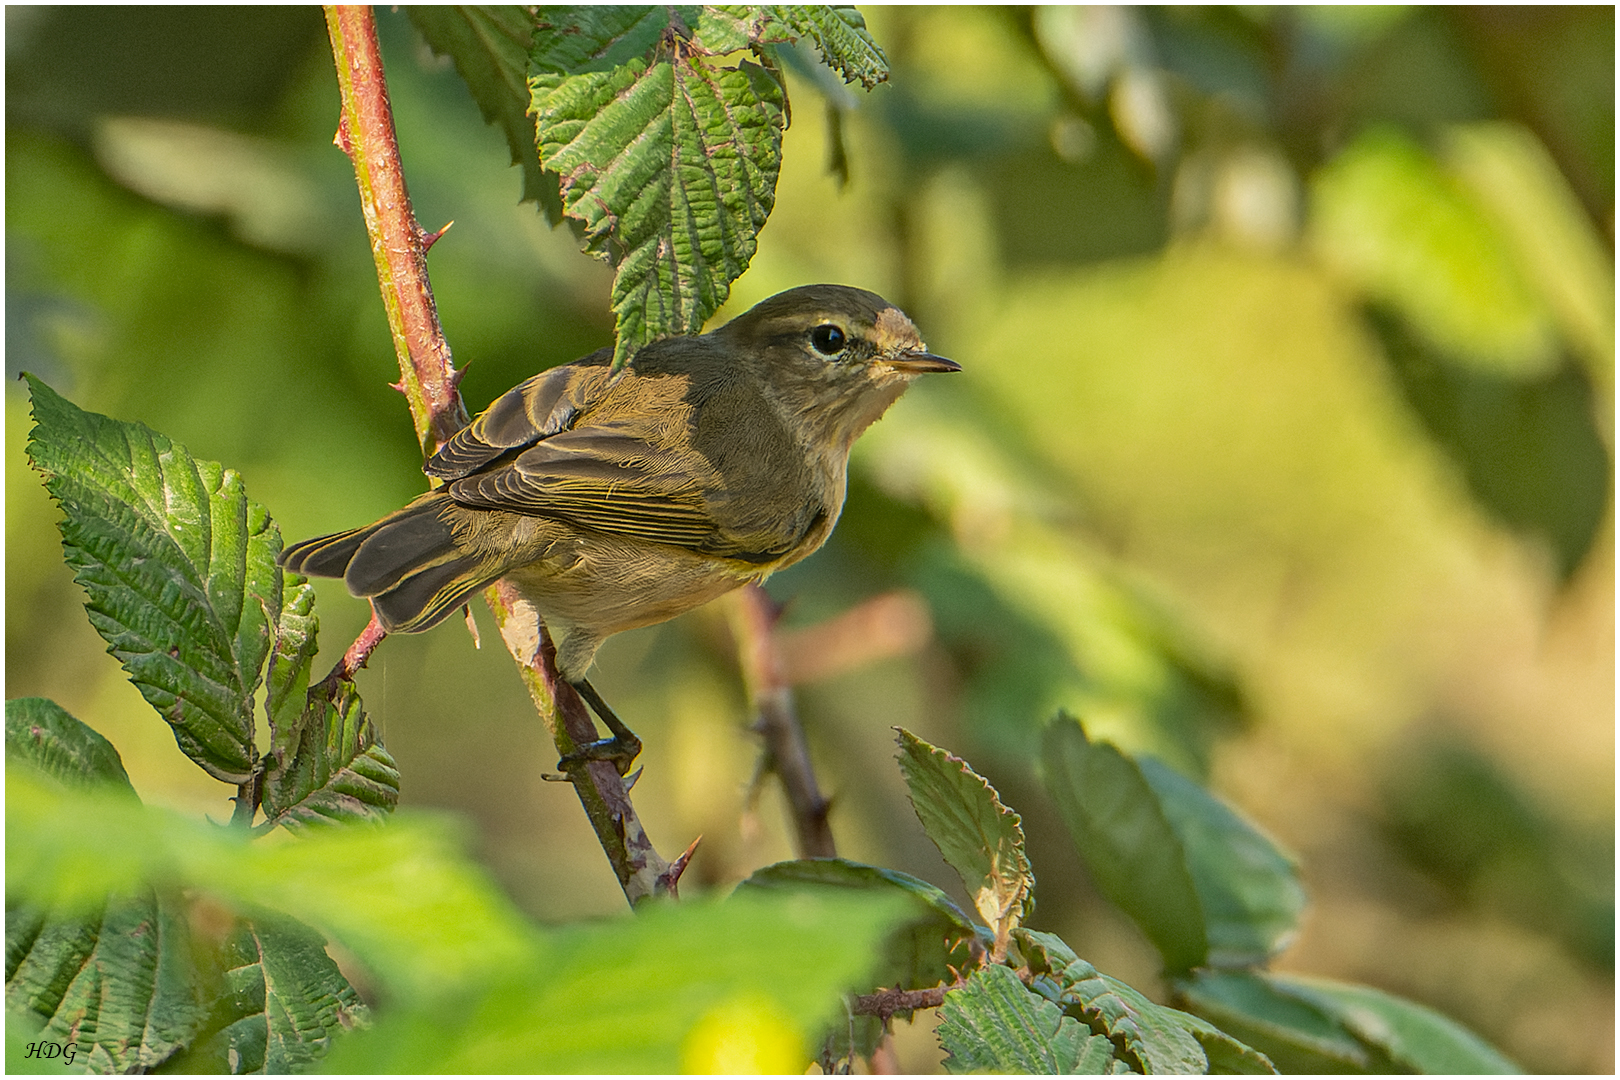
{"x":787,"y":754}
{"x":429,"y":380}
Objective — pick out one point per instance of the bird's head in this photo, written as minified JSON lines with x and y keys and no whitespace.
{"x":833,"y":354}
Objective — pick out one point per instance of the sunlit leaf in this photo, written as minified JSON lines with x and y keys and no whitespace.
{"x":1389,"y":218}
{"x":981,"y":839}
{"x":179,"y":568}
{"x":1116,"y":821}
{"x":671,"y":167}
{"x":677,"y":971}
{"x":922,"y":950}
{"x":996,"y":1024}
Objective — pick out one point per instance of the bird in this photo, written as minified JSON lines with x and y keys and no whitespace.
{"x":615,"y":500}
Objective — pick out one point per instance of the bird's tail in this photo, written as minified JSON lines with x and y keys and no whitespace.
{"x":408,"y":564}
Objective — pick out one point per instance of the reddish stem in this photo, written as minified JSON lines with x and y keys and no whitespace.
{"x":428,"y":380}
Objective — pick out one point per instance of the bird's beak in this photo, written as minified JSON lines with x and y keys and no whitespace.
{"x":916,"y":363}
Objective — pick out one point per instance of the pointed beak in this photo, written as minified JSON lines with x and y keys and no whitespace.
{"x":916,"y":363}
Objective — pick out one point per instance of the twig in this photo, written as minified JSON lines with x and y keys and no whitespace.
{"x":885,"y":1003}
{"x":786,"y":752}
{"x":429,"y":380}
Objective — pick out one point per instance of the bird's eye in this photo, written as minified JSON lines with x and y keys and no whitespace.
{"x":827,"y":339}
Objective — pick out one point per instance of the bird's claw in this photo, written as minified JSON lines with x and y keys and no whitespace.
{"x":617,"y":749}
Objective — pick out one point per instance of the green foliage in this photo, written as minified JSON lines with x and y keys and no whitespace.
{"x":1204,"y":885}
{"x":179,"y":568}
{"x":104,"y":949}
{"x":668,"y":159}
{"x":922,"y":951}
{"x":980,"y":838}
{"x":1317,"y":1025}
{"x":996,"y":1024}
{"x":45,"y":736}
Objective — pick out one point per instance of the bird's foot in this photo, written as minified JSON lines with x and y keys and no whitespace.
{"x":621,"y":750}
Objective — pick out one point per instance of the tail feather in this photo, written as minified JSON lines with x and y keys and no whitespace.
{"x":408,"y":564}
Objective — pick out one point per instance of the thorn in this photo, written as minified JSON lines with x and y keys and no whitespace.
{"x":341,"y":139}
{"x":455,"y":377}
{"x":554,"y":778}
{"x":431,"y":238}
{"x":630,"y":781}
{"x":400,"y":386}
{"x":472,"y":627}
{"x":672,"y":877}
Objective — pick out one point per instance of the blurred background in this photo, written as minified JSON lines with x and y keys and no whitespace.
{"x":1283,"y":448}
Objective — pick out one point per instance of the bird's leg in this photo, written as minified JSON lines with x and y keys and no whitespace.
{"x":621,"y":748}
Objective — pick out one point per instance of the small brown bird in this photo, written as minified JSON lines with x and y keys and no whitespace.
{"x":617,"y":502}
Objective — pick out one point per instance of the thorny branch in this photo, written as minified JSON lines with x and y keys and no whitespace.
{"x":428,"y":380}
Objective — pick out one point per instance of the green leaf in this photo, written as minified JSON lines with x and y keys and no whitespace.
{"x":1121,"y":831}
{"x":981,"y":839}
{"x":283,"y":1002}
{"x":839,"y":34}
{"x":424,"y":919}
{"x":996,"y":1024}
{"x":1159,"y":1039}
{"x":43,"y":735}
{"x":1248,"y":890}
{"x":1417,"y":1038}
{"x":921,"y":951}
{"x":286,"y":680}
{"x":338,"y":771}
{"x":179,"y":568}
{"x":672,"y":170}
{"x":676,"y":972}
{"x":1297,"y":1034}
{"x":121,"y":980}
{"x":490,"y":46}
{"x":570,"y":39}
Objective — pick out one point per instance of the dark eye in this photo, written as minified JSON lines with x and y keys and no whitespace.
{"x":827,"y":339}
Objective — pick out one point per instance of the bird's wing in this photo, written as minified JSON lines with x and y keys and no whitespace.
{"x":535,"y":409}
{"x":607,"y":480}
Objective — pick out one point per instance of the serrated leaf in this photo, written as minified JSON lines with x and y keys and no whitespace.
{"x":981,"y":839}
{"x":121,"y":981}
{"x":489,"y":44}
{"x":671,"y":169}
{"x":571,"y":39}
{"x":337,"y":771}
{"x":1116,"y":821}
{"x":921,"y":951}
{"x":179,"y":568}
{"x":283,"y":1002}
{"x":839,"y":35}
{"x":286,"y":680}
{"x":46,"y":737}
{"x":1248,"y":889}
{"x":996,"y":1024}
{"x":1417,"y":1038}
{"x":1160,"y":1039}
{"x":1297,"y":1034}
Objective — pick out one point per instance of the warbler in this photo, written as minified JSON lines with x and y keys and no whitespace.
{"x":612,"y":502}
